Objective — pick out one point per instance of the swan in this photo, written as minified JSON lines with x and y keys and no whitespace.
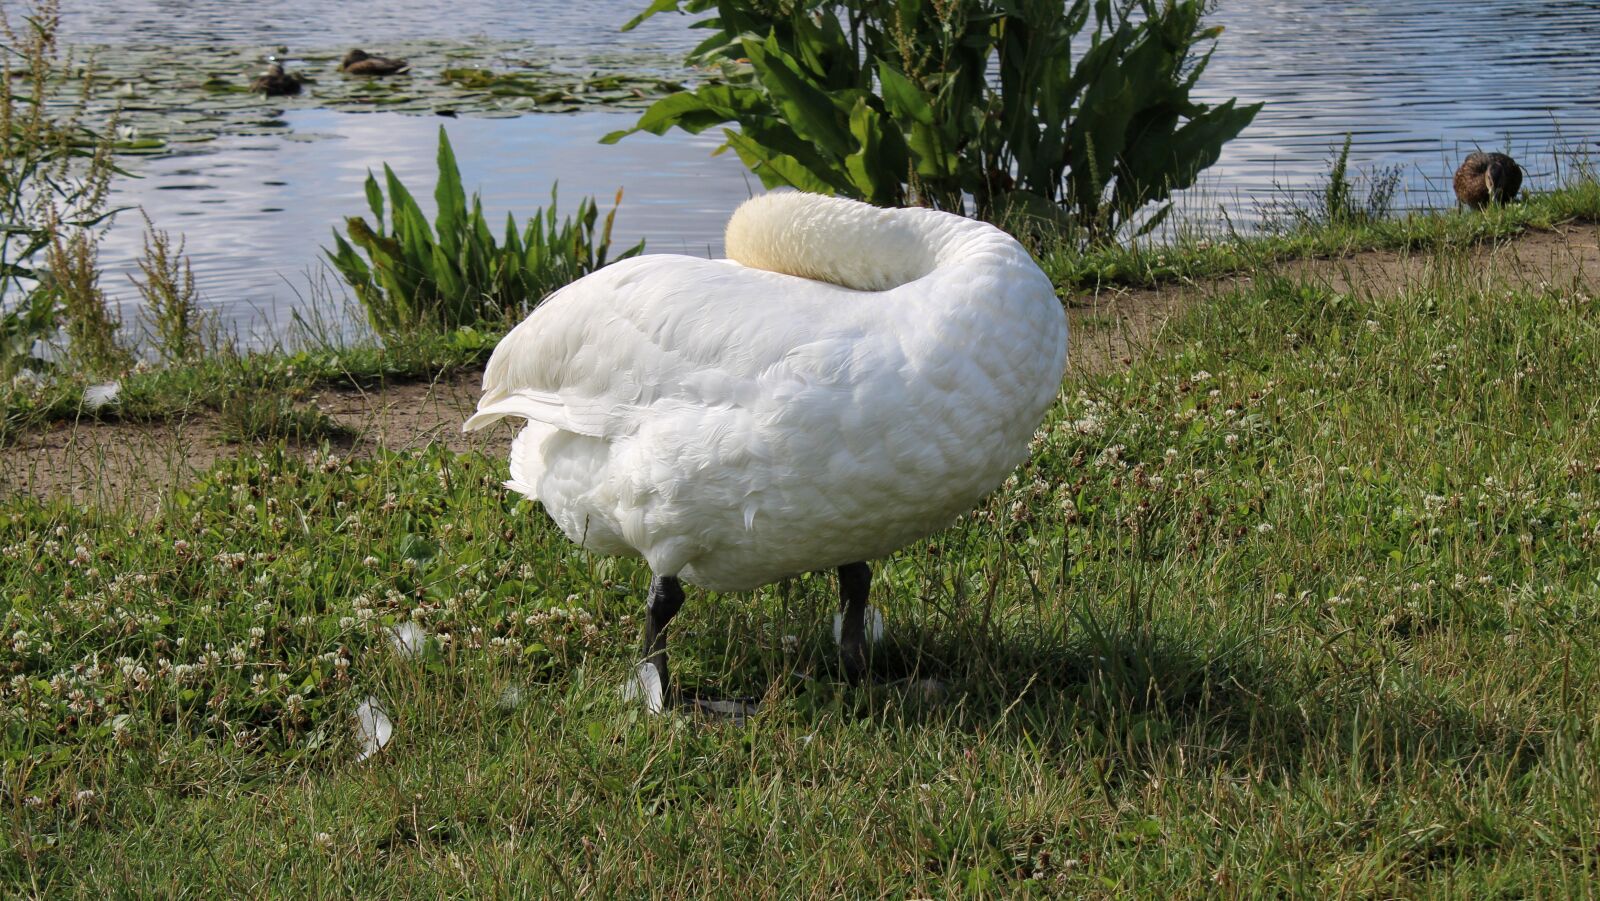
{"x":850,"y":380}
{"x":1486,"y":177}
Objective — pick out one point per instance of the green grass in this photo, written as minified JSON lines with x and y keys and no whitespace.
{"x":184,"y":389}
{"x":1302,"y":603}
{"x":210,"y":384}
{"x":1207,"y":253}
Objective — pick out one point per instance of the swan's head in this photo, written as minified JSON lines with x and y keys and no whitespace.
{"x":845,"y":242}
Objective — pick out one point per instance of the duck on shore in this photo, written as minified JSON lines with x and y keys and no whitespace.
{"x":276,"y":83}
{"x":1487,"y":177}
{"x":360,"y":62}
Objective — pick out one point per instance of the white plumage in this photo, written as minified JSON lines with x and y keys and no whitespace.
{"x":851,"y":380}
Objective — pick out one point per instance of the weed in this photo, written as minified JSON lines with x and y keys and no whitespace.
{"x":418,"y":277}
{"x":932,"y":103}
{"x":182,"y":330}
{"x":248,"y":416}
{"x":55,"y":175}
{"x":1341,"y":201}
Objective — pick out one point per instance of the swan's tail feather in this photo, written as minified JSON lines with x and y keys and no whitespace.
{"x":537,"y":406}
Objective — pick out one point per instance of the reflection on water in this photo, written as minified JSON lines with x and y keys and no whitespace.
{"x":257,"y":211}
{"x":299,"y":24}
{"x":1417,"y":82}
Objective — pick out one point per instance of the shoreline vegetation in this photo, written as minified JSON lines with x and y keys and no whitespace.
{"x":1296,"y":594}
{"x":210,"y":383}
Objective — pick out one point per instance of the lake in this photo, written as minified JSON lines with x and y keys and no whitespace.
{"x":1418,"y":83}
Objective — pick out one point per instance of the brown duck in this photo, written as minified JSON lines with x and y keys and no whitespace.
{"x":360,"y":62}
{"x":1487,"y":177}
{"x":276,"y":83}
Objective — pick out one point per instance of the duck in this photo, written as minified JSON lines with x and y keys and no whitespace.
{"x":276,"y":83}
{"x":848,"y":381}
{"x":1487,"y":177}
{"x":360,"y":62}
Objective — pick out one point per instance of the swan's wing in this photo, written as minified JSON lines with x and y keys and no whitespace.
{"x":653,"y":330}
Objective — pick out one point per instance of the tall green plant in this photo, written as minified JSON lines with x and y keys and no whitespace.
{"x":453,"y":273}
{"x":55,"y":177}
{"x":1088,"y":119}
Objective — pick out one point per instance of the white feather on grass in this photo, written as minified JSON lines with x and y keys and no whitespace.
{"x":409,"y":640}
{"x":646,"y":685}
{"x":97,"y":396}
{"x":874,"y":625}
{"x":374,"y":729}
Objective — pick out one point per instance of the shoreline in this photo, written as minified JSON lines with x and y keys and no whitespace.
{"x":410,"y":397}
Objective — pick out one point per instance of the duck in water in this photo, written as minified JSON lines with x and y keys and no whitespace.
{"x":360,"y":62}
{"x":276,"y":83}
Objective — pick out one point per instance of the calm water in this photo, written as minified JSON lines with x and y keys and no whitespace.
{"x":1417,"y":82}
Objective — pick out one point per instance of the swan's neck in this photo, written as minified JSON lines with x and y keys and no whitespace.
{"x":849,"y":243}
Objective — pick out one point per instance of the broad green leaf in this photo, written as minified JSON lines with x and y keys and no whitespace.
{"x":775,"y":169}
{"x":807,"y":110}
{"x":903,"y":98}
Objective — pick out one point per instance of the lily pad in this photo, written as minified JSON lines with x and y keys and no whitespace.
{"x":166,"y":96}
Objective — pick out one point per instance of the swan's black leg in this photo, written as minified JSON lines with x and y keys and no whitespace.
{"x":666,"y":596}
{"x":855,"y":580}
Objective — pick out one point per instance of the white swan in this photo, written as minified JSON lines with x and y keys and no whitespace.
{"x":851,"y":380}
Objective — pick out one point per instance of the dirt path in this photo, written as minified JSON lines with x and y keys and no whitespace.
{"x":131,"y":462}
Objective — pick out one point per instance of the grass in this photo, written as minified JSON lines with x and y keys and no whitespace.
{"x":1202,"y":254}
{"x":213,"y":382}
{"x":1301,"y":602}
{"x":184,"y":388}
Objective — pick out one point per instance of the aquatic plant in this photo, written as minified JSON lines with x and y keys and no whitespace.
{"x":893,"y":103}
{"x":180,"y":328}
{"x":1340,"y":199}
{"x":55,"y":174}
{"x":416,"y":277}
